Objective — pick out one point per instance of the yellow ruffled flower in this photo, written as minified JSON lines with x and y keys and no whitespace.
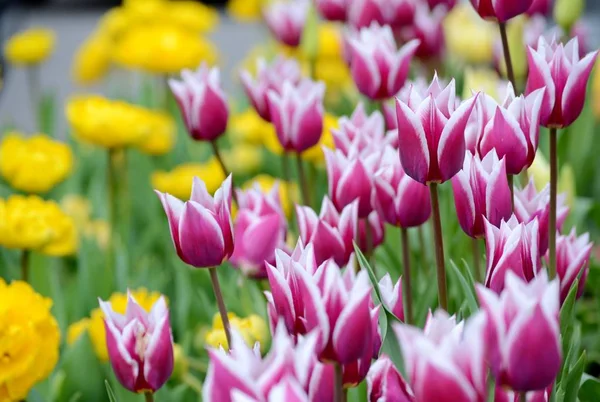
{"x":34,"y":164}
{"x":286,"y":190}
{"x":107,"y":123}
{"x":468,"y":36}
{"x":250,"y":128}
{"x":77,"y":329}
{"x":29,"y":47}
{"x":481,"y":79}
{"x":178,"y":182}
{"x":29,"y":339}
{"x":181,"y":364}
{"x":252,"y":328}
{"x":92,"y":60}
{"x":245,"y":10}
{"x":31,"y":223}
{"x":191,"y":15}
{"x":161,"y":136}
{"x":114,"y":22}
{"x":540,"y":172}
{"x":243,"y":158}
{"x":330,"y":41}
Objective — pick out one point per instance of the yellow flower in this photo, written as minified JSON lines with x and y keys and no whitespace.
{"x":181,"y":364}
{"x":330,"y":41}
{"x":30,"y":47}
{"x":481,"y":79}
{"x":334,"y":73}
{"x":245,"y":10}
{"x":99,"y":230}
{"x":249,"y":127}
{"x":161,"y":136}
{"x":539,"y":171}
{"x":77,"y":329}
{"x":92,"y":60}
{"x":114,"y":22}
{"x":191,"y":15}
{"x":30,"y":223}
{"x":252,"y":328}
{"x":315,"y":154}
{"x":178,"y":182}
{"x":286,"y":190}
{"x":243,"y":158}
{"x":469,"y":37}
{"x":77,"y":207}
{"x":106,"y":123}
{"x":29,"y":340}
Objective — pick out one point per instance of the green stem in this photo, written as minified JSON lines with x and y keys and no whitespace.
{"x":220,"y":303}
{"x":553,"y":191}
{"x":510,"y":72}
{"x":149,"y":396}
{"x":511,"y":186}
{"x":193,"y":383}
{"x":25,"y":265}
{"x":111,"y":184}
{"x":523,"y":397}
{"x":406,"y":283}
{"x":439,"y":247}
{"x":33,"y":82}
{"x":338,"y":395}
{"x":476,"y":260}
{"x":422,"y":248}
{"x":302,"y":180}
{"x":215,"y":149}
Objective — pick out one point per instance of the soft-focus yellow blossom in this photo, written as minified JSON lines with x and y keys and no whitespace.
{"x":482,"y":80}
{"x":114,"y":22}
{"x":30,"y":47}
{"x":178,"y":182}
{"x":468,"y":36}
{"x":568,"y":12}
{"x":161,"y":135}
{"x":80,"y":209}
{"x":31,"y":223}
{"x":99,"y":230}
{"x":540,"y":172}
{"x":252,"y":328}
{"x":191,"y":15}
{"x":181,"y":364}
{"x":144,"y":10}
{"x":29,"y":340}
{"x":34,"y":164}
{"x":518,"y":51}
{"x":334,"y":73}
{"x":77,"y":329}
{"x":243,"y":158}
{"x":315,"y":154}
{"x":92,"y":60}
{"x":286,"y":190}
{"x":330,"y":41}
{"x":250,"y":128}
{"x":245,"y":10}
{"x":107,"y":123}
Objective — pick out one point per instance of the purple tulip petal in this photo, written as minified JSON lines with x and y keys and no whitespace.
{"x":202,"y":243}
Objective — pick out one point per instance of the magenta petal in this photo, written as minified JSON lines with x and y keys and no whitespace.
{"x":158,"y":359}
{"x":451,"y":150}
{"x":464,"y":202}
{"x":414,"y":153}
{"x":126,"y":369}
{"x":504,"y":135}
{"x":442,"y":384}
{"x":355,"y":184}
{"x":202,"y":243}
{"x":214,"y":114}
{"x":574,"y":92}
{"x":498,"y":196}
{"x":365,"y":72}
{"x":351,"y":336}
{"x":540,"y":77}
{"x":328,"y":244}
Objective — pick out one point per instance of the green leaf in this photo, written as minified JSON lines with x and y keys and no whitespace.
{"x":110,"y":392}
{"x":567,"y":311}
{"x":590,"y":389}
{"x":573,"y":380}
{"x":468,"y":289}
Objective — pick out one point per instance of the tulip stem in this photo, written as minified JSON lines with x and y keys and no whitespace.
{"x":338,"y":395}
{"x":553,"y":190}
{"x":523,"y":397}
{"x":476,"y":260}
{"x":149,"y":396}
{"x":302,"y":179}
{"x":439,"y":247}
{"x":511,"y":186}
{"x":407,"y":291}
{"x":510,"y":72}
{"x":220,"y":303}
{"x":111,"y":184}
{"x":424,"y":258}
{"x":217,"y":153}
{"x":25,"y":265}
{"x":369,"y":243}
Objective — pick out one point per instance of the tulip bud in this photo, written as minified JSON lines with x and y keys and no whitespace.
{"x":201,"y":228}
{"x":501,"y":10}
{"x":202,"y":102}
{"x":568,"y":12}
{"x":427,"y":28}
{"x":286,"y":20}
{"x":572,"y":261}
{"x":363,"y":13}
{"x":376,"y":232}
{"x":540,"y":7}
{"x":385,"y":383}
{"x":522,"y":331}
{"x":140,"y":344}
{"x":333,"y":10}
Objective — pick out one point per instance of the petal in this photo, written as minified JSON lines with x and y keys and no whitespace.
{"x":351,"y":335}
{"x":158,"y":357}
{"x":200,"y":194}
{"x":574,"y":92}
{"x":464,"y":202}
{"x":414,"y":153}
{"x":540,"y":77}
{"x":263,"y":237}
{"x":202,"y":243}
{"x":174,"y":209}
{"x":125,"y":367}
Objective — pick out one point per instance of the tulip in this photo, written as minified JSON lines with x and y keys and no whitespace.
{"x":260,"y":228}
{"x":428,"y":29}
{"x":565,"y":76}
{"x":572,"y":261}
{"x":140,"y":344}
{"x":445,"y":362}
{"x":449,"y":4}
{"x":269,"y":78}
{"x":389,"y":115}
{"x":333,"y":10}
{"x":399,"y":13}
{"x":202,"y":102}
{"x":297,"y":114}
{"x":567,"y":13}
{"x":540,"y":7}
{"x":501,"y":10}
{"x":371,"y":238}
{"x":530,"y":205}
{"x":481,"y":192}
{"x":378,"y":69}
{"x":522,"y":332}
{"x":331,"y":233}
{"x":385,"y":383}
{"x":362,"y":13}
{"x":392,"y":295}
{"x":432,"y":143}
{"x":511,"y":247}
{"x":511,"y":129}
{"x":360,"y":131}
{"x":201,"y":228}
{"x":286,"y":20}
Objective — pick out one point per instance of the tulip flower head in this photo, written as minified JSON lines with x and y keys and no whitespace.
{"x":431,"y":141}
{"x":540,"y":7}
{"x":572,"y":261}
{"x":201,"y":228}
{"x":559,"y":68}
{"x":378,"y":68}
{"x":202,"y":102}
{"x":392,"y":295}
{"x":449,"y":4}
{"x":501,"y":10}
{"x":333,"y":10}
{"x":140,"y":345}
{"x":286,"y":20}
{"x":360,"y":131}
{"x":428,"y":29}
{"x":385,"y":383}
{"x":376,"y":232}
{"x":363,"y":13}
{"x":522,"y":332}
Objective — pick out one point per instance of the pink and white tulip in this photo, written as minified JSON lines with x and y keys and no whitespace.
{"x":481,"y":193}
{"x":286,"y":20}
{"x":505,"y":395}
{"x":140,"y":344}
{"x":392,"y":295}
{"x":572,"y":261}
{"x":385,"y":383}
{"x":333,"y":10}
{"x":449,"y":4}
{"x":201,"y":228}
{"x":360,"y":131}
{"x":540,"y":7}
{"x":376,"y":232}
{"x":565,"y":76}
{"x":363,"y":13}
{"x":202,"y":102}
{"x":501,"y":10}
{"x":523,"y":333}
{"x":427,"y":27}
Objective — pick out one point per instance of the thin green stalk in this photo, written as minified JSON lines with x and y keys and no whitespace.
{"x":25,"y":265}
{"x":406,"y":283}
{"x":511,"y":186}
{"x":422,"y":248}
{"x":369,"y":241}
{"x":33,"y":83}
{"x":111,"y":184}
{"x":220,"y":303}
{"x":302,"y":179}
{"x":510,"y":72}
{"x":553,"y":191}
{"x":192,"y":382}
{"x":338,"y":395}
{"x":149,"y":396}
{"x":476,"y":260}
{"x":217,"y":153}
{"x":439,"y":247}
{"x":523,"y":397}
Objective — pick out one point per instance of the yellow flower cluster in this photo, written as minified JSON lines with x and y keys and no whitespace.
{"x":178,"y":182}
{"x":94,"y":325}
{"x":287,"y":190}
{"x":245,"y":10}
{"x":117,"y":124}
{"x":35,"y":164}
{"x":252,"y":328}
{"x":29,"y":340}
{"x":31,"y":223}
{"x":468,"y":37}
{"x":79,"y":208}
{"x":30,"y":47}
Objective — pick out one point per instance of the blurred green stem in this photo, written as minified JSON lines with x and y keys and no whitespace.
{"x":338,"y":394}
{"x":220,"y":303}
{"x":112,"y":190}
{"x":439,"y":247}
{"x":511,"y":186}
{"x":476,"y":260}
{"x":507,"y":57}
{"x":369,"y":245}
{"x":33,"y":83}
{"x":193,"y":383}
{"x":553,"y":190}
{"x":217,"y":153}
{"x":425,"y":260}
{"x":406,"y":283}
{"x":523,"y":397}
{"x":165,"y":91}
{"x":25,"y":265}
{"x":302,"y":179}
{"x":149,"y":396}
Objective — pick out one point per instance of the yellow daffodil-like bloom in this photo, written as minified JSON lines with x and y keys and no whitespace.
{"x":315,"y":154}
{"x":178,"y":182}
{"x":30,"y":47}
{"x":482,"y":79}
{"x":330,"y":44}
{"x":250,"y":128}
{"x":34,"y":164}
{"x":245,"y":10}
{"x":107,"y":123}
{"x":468,"y":37}
{"x":191,"y":15}
{"x":252,"y":328}
{"x":114,"y":22}
{"x":161,"y":135}
{"x":539,"y":171}
{"x":31,"y":223}
{"x":243,"y":158}
{"x":286,"y":190}
{"x":92,"y":60}
{"x":94,"y":326}
{"x":181,"y":365}
{"x":29,"y":340}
